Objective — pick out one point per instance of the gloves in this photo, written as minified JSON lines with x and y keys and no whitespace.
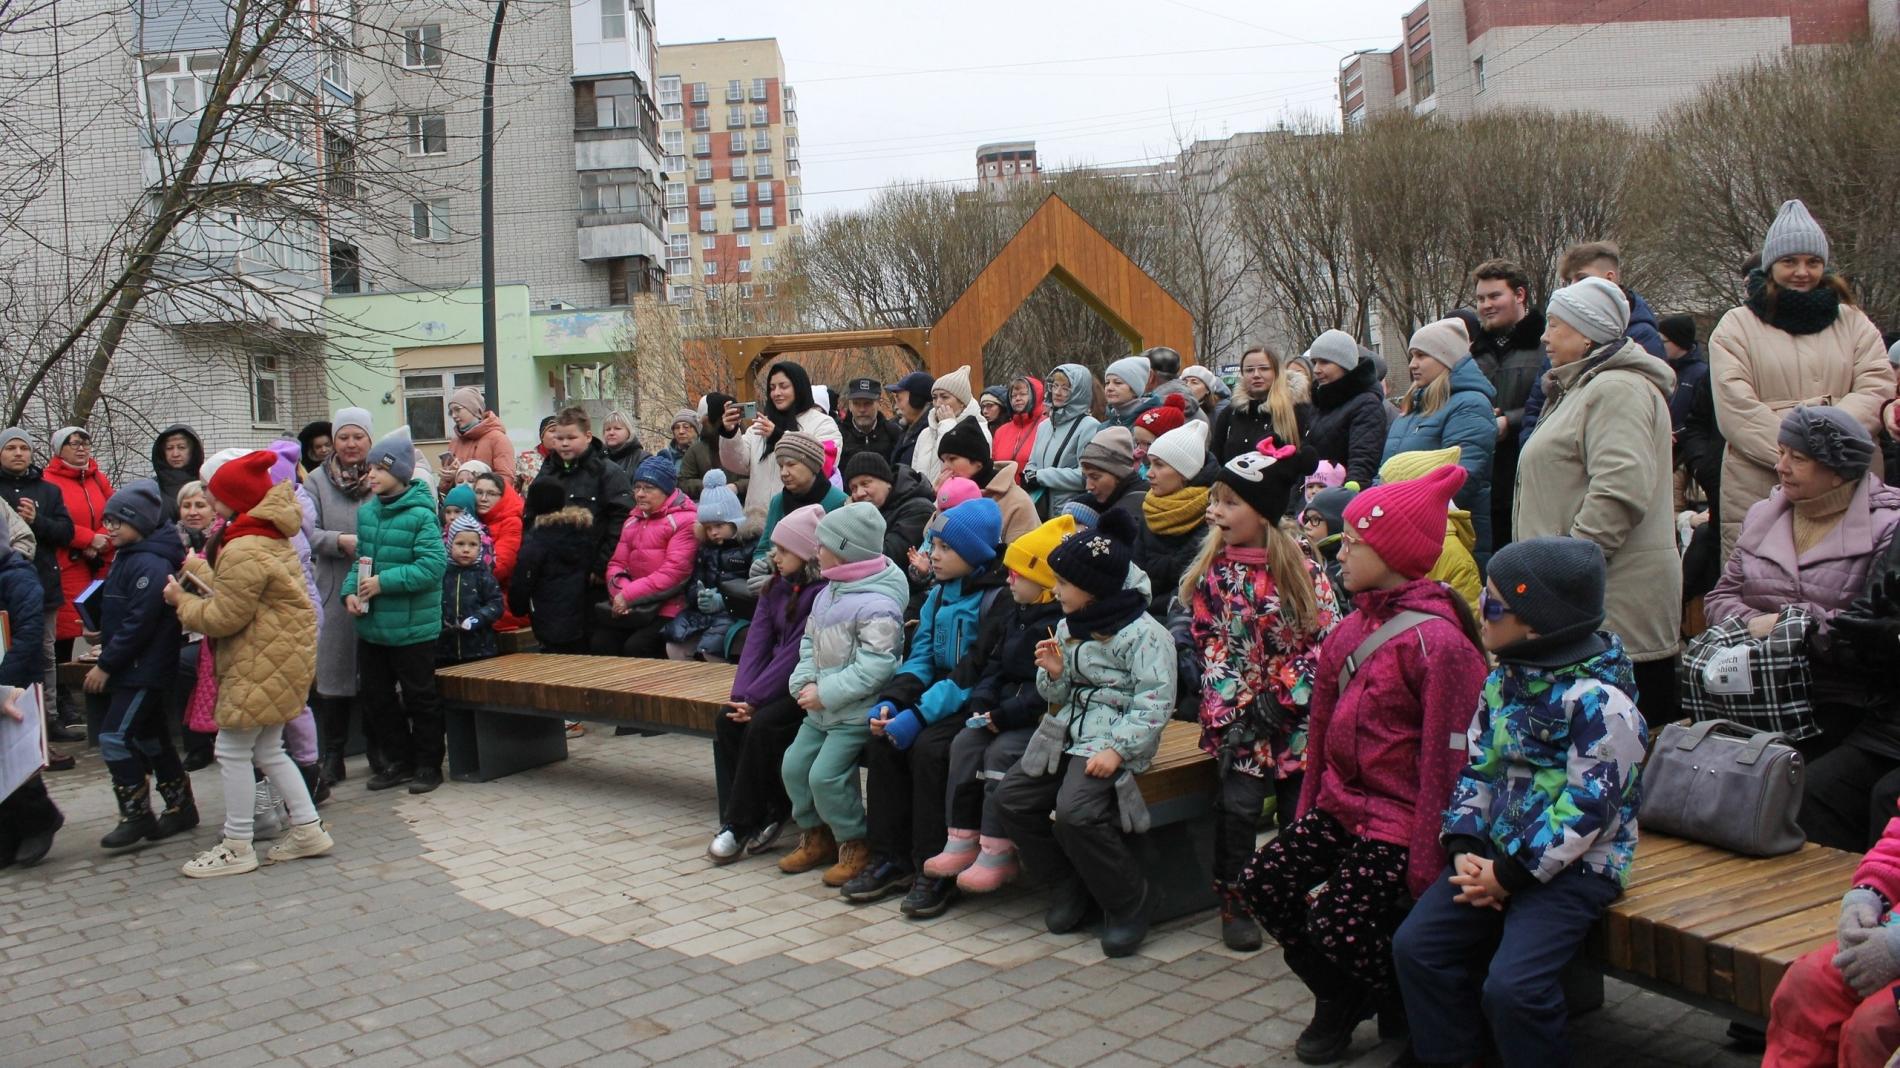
{"x":904,"y":730}
{"x":1860,"y":917}
{"x":711,"y":602}
{"x":1128,"y":799}
{"x":1872,"y":963}
{"x":471,"y":623}
{"x":1030,"y":479}
{"x":882,"y":710}
{"x":1044,"y":752}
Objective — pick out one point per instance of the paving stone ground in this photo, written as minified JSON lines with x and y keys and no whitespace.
{"x":568,"y":916}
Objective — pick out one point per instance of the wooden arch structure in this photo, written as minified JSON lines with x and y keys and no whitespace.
{"x":1056,"y":242}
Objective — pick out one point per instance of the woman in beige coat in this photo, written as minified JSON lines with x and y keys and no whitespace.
{"x":1597,"y":467}
{"x":1797,"y":340}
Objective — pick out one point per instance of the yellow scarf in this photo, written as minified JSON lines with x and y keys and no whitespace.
{"x":1177,"y":513}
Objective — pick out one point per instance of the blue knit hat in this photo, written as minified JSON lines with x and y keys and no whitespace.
{"x":972,"y":530}
{"x":717,"y":502}
{"x":657,"y":470}
{"x":462,"y":496}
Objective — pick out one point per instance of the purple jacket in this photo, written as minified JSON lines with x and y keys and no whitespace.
{"x":1763,"y":573}
{"x":771,"y":649}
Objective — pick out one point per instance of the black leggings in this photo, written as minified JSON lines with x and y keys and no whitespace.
{"x":747,"y":756}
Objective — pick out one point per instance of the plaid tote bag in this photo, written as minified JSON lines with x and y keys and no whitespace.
{"x":1761,"y":683}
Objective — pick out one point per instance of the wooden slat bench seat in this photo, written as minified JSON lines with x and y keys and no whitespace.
{"x":516,"y":641}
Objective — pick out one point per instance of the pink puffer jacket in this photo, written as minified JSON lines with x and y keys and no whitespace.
{"x":1763,"y":573}
{"x":655,"y":554}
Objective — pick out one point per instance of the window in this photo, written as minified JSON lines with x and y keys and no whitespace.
{"x":740,"y":195}
{"x":702,"y":144}
{"x":709,"y":268}
{"x":678,"y":245}
{"x":737,"y":144}
{"x":758,"y":89}
{"x":673,"y":164}
{"x":673,"y":142}
{"x":428,"y":133}
{"x":744,"y":240}
{"x":765,"y":192}
{"x":425,"y":400}
{"x":708,"y":243}
{"x":1422,"y":77}
{"x":622,"y":192}
{"x":1477,"y":73}
{"x":769,"y":261}
{"x":734,"y":93}
{"x":699,"y":92}
{"x":669,"y":88}
{"x":761,"y":142}
{"x":791,"y":168}
{"x":700,"y":121}
{"x":742,"y":219}
{"x":346,"y":268}
{"x":759,"y":117}
{"x":613,"y":20}
{"x":339,"y":165}
{"x":679,"y":293}
{"x":336,"y":63}
{"x":764,"y":168}
{"x":679,"y":267}
{"x":708,"y":222}
{"x":264,"y":391}
{"x":676,"y":217}
{"x":429,"y":220}
{"x":745,"y":266}
{"x":738,"y":169}
{"x":791,"y":146}
{"x":745,"y":290}
{"x":705,"y":196}
{"x":676,"y":194}
{"x":765,"y":218}
{"x":176,"y":86}
{"x":703,"y":172}
{"x":616,"y":104}
{"x":735,"y":117}
{"x":422,"y":46}
{"x":765,"y":239}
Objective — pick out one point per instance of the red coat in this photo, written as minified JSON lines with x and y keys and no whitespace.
{"x":1015,"y":439}
{"x":503,"y":524}
{"x":656,"y":554}
{"x":1382,"y":761}
{"x":85,"y":493}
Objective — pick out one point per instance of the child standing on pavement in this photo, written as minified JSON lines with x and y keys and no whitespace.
{"x":471,"y":598}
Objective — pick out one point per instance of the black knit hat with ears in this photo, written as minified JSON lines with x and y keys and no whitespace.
{"x":1096,"y":560}
{"x":1266,"y":477}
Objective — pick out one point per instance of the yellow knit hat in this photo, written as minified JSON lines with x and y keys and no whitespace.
{"x":1028,"y":555}
{"x":1406,"y":466}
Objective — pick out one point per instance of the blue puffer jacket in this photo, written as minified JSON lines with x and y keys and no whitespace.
{"x":1555,"y":772}
{"x":24,"y":662}
{"x":139,"y":635}
{"x":951,"y":616}
{"x":1057,"y":457}
{"x":1466,"y":421}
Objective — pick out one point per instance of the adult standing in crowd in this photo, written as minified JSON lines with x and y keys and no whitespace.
{"x":1798,"y":339}
{"x":337,"y":488}
{"x":910,"y":399}
{"x":749,"y":453}
{"x":950,"y":404}
{"x":865,"y":429}
{"x":477,"y":434}
{"x":1601,"y":473}
{"x":1685,"y":357}
{"x":1015,"y":440}
{"x":43,"y":507}
{"x":1125,"y":390}
{"x":88,"y":553}
{"x":703,"y":454}
{"x":1263,"y":409}
{"x":1597,"y":259}
{"x":682,"y":432}
{"x":1450,"y":406}
{"x":1208,"y":391}
{"x":1509,"y":348}
{"x":1053,"y":476}
{"x":1349,"y":418}
{"x":498,"y":510}
{"x":177,"y":456}
{"x":1164,"y":366}
{"x":622,"y":445}
{"x":993,"y":405}
{"x":313,"y":443}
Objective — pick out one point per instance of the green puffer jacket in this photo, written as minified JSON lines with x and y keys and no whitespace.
{"x":403,"y":540}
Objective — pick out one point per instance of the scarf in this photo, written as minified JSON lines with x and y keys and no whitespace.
{"x":852,"y":572}
{"x":1796,"y":313}
{"x":820,"y":489}
{"x":1176,"y":513}
{"x":351,"y":480}
{"x":1108,"y":615}
{"x":247,"y":526}
{"x":1815,"y":517}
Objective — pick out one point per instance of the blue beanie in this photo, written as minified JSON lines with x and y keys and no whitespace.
{"x":462,"y":496}
{"x":658,"y":471}
{"x":973,"y":529}
{"x":717,"y":502}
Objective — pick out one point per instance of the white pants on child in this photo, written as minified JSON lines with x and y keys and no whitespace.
{"x":238,"y":752}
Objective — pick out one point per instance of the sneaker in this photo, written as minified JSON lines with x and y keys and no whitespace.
{"x":853,"y":857}
{"x":725,"y":847}
{"x":959,"y":852}
{"x":426,"y":780}
{"x":307,"y":840}
{"x":390,"y":778}
{"x":816,"y":848}
{"x":226,"y":858}
{"x":879,"y":878}
{"x":995,"y":867}
{"x":929,"y":896}
{"x":576,"y":729}
{"x":765,"y":838}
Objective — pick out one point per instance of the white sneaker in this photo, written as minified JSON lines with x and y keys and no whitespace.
{"x":309,"y":840}
{"x":226,"y":858}
{"x":725,"y":847}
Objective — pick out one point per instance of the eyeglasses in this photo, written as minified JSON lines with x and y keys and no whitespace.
{"x":1492,"y":608}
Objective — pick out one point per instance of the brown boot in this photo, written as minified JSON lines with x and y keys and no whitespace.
{"x":853,"y":857}
{"x":816,"y":848}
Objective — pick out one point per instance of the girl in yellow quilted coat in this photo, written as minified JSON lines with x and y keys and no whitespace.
{"x":251,"y":603}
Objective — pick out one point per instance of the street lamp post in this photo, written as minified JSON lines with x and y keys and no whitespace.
{"x":491,"y":360}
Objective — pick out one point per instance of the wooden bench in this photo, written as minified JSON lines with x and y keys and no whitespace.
{"x":1715,"y":929}
{"x":516,"y":641}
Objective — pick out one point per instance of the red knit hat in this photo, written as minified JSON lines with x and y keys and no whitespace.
{"x":1171,"y":414}
{"x":1404,"y":522}
{"x":242,"y":483}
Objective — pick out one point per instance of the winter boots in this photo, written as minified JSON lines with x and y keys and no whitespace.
{"x":816,"y":848}
{"x":181,"y":810}
{"x":853,"y":857}
{"x":995,"y":866}
{"x":136,"y":822}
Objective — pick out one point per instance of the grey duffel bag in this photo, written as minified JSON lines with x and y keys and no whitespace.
{"x":1722,"y":784}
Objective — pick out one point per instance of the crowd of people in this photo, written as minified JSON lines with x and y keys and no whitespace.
{"x":1426,"y":635}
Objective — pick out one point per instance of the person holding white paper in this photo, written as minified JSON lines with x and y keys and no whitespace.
{"x":28,"y":817}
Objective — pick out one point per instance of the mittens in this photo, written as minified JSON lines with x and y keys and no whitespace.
{"x":904,"y":730}
{"x":1872,"y":963}
{"x":1044,"y":752}
{"x":471,"y":623}
{"x":1128,"y":799}
{"x":1860,"y":917}
{"x":711,"y":602}
{"x":881,"y":710}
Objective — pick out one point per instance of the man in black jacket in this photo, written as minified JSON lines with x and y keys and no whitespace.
{"x":911,"y":397}
{"x":863,"y":427}
{"x":1509,"y":348}
{"x":39,"y":503}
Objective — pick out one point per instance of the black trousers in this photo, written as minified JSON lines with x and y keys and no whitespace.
{"x":1083,"y":842}
{"x":905,"y":810}
{"x":1236,"y":823}
{"x":409,"y":731}
{"x":1658,"y":694}
{"x":645,"y":642}
{"x":746,"y":757}
{"x":28,"y":810}
{"x":1850,"y":795}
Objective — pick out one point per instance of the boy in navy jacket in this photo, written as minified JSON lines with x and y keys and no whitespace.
{"x":28,"y":817}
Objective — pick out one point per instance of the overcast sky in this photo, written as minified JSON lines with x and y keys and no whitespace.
{"x":894,"y":89}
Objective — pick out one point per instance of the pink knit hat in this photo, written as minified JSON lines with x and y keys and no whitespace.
{"x":1404,"y":522}
{"x":1328,"y":474}
{"x":955,"y":492}
{"x":797,"y":533}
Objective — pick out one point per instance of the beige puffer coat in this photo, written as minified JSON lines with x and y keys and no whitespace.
{"x":1759,"y":372}
{"x":260,"y":616}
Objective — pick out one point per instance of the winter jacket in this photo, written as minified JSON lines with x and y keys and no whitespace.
{"x":1165,"y":558}
{"x":952,"y":614}
{"x":1700,"y":445}
{"x":334,"y":516}
{"x":1349,"y":420}
{"x":655,"y":556}
{"x":1761,"y":371}
{"x":1248,"y":653}
{"x":52,"y":526}
{"x":138,"y":632}
{"x":1015,"y":440}
{"x":261,"y":619}
{"x":854,"y":638}
{"x":723,"y":569}
{"x":880,"y":439}
{"x":1380,"y":756}
{"x":999,"y":668}
{"x":821,"y":493}
{"x":1691,"y":371}
{"x":703,"y":456}
{"x":1019,"y":512}
{"x":1240,"y":426}
{"x":594,"y":483}
{"x":468,"y":591}
{"x":907,"y":510}
{"x":1514,"y":361}
{"x":1764,"y":574}
{"x":488,"y":442}
{"x":403,"y":540}
{"x":550,"y":581}
{"x":627,"y":456}
{"x":1641,"y":329}
{"x":907,"y":434}
{"x":1554,"y":777}
{"x":85,"y":493}
{"x":1126,"y":414}
{"x":172,"y":479}
{"x":1880,"y":868}
{"x":1116,"y":692}
{"x":923,"y":459}
{"x":1057,"y":455}
{"x":1127,"y":496}
{"x":502,"y":524}
{"x":772,"y":641}
{"x":1602,"y":473}
{"x":1465,"y":421}
{"x":745,"y":456}
{"x":23,"y":663}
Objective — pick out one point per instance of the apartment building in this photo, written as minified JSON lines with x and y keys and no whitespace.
{"x":1627,"y":61}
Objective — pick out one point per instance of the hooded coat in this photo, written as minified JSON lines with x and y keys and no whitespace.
{"x":1765,"y":574}
{"x":488,"y":442}
{"x":23,"y":663}
{"x":595,"y":483}
{"x":138,"y":632}
{"x":1116,"y":691}
{"x":1641,"y":329}
{"x":655,"y":555}
{"x":1602,"y":472}
{"x":772,"y":641}
{"x":403,"y":540}
{"x":468,"y":591}
{"x":172,"y":479}
{"x":550,"y":581}
{"x":1019,"y":512}
{"x":52,"y":526}
{"x":1015,"y":440}
{"x":1349,"y":422}
{"x":1465,"y":421}
{"x":907,"y":510}
{"x":85,"y":492}
{"x":853,"y":640}
{"x":261,"y":619}
{"x":1057,"y":454}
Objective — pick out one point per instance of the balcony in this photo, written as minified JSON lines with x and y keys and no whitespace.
{"x":619,"y":149}
{"x":601,"y":235}
{"x":734,"y":94}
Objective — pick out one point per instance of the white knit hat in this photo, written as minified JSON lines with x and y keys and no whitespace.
{"x":957,"y":384}
{"x":1184,"y":448}
{"x":1597,"y":309}
{"x":1444,"y":341}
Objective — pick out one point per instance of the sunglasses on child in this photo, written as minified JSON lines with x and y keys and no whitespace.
{"x":1492,"y":608}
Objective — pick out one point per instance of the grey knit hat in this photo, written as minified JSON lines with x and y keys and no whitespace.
{"x":1597,"y":309}
{"x":356,"y":417}
{"x":855,"y":532}
{"x":1554,"y":586}
{"x":1834,"y":438}
{"x":14,"y":433}
{"x":802,"y":447}
{"x":1893,"y":357}
{"x":1335,"y":347}
{"x":138,"y":505}
{"x":1793,"y":233}
{"x":395,"y":453}
{"x":1112,"y":450}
